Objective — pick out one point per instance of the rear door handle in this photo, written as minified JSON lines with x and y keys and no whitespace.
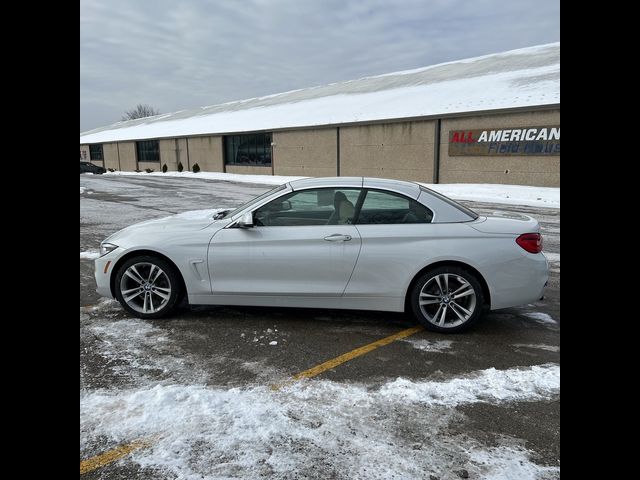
{"x":337,"y":237}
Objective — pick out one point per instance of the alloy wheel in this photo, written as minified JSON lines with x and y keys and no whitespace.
{"x":145,"y":287}
{"x":447,"y":300}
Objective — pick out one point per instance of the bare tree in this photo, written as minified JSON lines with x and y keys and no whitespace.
{"x":140,"y":111}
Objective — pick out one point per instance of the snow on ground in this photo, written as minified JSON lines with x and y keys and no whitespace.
{"x":495,"y":193}
{"x":509,"y":462}
{"x":541,"y":317}
{"x":318,"y":427}
{"x":226,"y":177}
{"x":89,"y":255}
{"x":549,"y":348}
{"x":82,"y":189}
{"x":436,"y":346}
{"x":139,"y":352}
{"x":552,"y":257}
{"x":492,"y":193}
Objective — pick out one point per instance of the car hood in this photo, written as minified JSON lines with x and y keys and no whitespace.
{"x":179,"y":223}
{"x":507,"y":223}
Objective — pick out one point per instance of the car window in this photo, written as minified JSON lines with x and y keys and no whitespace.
{"x":392,"y":208}
{"x":320,"y":206}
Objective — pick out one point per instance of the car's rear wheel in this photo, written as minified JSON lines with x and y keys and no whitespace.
{"x":148,"y":287}
{"x":447,"y":299}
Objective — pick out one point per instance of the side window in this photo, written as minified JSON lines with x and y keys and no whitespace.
{"x":391,"y":208}
{"x":321,"y":206}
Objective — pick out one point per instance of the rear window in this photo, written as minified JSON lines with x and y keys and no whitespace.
{"x":453,"y":203}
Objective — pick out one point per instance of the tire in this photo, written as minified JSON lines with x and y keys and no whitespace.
{"x":432,"y":301}
{"x":158,"y":283}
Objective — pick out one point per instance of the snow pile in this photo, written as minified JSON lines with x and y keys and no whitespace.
{"x":89,"y":255}
{"x":511,"y":462}
{"x":492,"y":386}
{"x":82,"y":189}
{"x":315,"y":428}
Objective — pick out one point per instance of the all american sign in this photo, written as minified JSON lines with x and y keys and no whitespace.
{"x":543,"y":140}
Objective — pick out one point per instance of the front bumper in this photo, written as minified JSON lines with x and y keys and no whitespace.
{"x":103,"y":268}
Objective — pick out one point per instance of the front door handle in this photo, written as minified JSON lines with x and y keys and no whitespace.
{"x":337,"y":237}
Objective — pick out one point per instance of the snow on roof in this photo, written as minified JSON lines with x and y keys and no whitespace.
{"x":526,"y":77}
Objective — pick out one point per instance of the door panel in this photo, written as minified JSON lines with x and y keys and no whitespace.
{"x":292,"y":260}
{"x":392,"y":254}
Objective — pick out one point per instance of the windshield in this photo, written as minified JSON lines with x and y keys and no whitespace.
{"x":256,"y":200}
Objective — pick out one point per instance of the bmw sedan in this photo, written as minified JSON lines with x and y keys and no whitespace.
{"x":344,"y":243}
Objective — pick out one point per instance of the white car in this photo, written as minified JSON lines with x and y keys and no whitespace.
{"x":343,"y":242}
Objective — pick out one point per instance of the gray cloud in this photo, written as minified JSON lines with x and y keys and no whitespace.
{"x":181,"y":54}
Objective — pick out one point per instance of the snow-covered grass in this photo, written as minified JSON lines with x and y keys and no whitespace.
{"x":479,"y":192}
{"x":89,"y":255}
{"x":317,"y":428}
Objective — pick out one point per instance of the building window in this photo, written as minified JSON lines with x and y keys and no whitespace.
{"x":148,"y":151}
{"x":95,"y":152}
{"x":252,"y":149}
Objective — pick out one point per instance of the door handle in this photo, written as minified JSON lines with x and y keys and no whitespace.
{"x":337,"y":237}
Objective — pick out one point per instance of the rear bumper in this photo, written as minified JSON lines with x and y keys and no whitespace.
{"x":520,"y":281}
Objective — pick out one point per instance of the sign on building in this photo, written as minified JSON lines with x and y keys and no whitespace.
{"x":543,"y":140}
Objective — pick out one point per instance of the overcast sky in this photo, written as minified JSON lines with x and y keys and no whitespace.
{"x":177,"y":54}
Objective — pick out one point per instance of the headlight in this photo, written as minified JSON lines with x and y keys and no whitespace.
{"x":106,"y":248}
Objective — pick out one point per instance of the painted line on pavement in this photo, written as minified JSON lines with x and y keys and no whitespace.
{"x":334,"y":362}
{"x":117,"y":453}
{"x":112,"y":455}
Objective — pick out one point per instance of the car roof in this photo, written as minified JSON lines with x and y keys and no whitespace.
{"x":407,"y":188}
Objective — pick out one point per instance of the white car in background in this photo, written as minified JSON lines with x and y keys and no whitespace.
{"x":344,"y":242}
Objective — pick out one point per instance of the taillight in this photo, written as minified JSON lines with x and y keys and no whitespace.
{"x":531,"y":242}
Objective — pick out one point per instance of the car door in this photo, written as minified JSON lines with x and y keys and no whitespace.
{"x":397,"y":236}
{"x":299,"y":245}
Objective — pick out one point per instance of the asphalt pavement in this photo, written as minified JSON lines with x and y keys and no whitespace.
{"x":218,"y":351}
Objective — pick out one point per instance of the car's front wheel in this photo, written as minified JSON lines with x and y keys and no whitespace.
{"x":447,"y":299}
{"x":148,"y":287}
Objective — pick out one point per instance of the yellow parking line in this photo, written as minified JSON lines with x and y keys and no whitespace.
{"x":112,"y":455}
{"x":123,"y":450}
{"x":323,"y":367}
{"x":334,"y":362}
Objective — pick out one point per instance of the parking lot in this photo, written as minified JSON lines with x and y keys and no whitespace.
{"x":208,"y":393}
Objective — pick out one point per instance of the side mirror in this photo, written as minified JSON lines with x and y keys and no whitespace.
{"x":245,"y":221}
